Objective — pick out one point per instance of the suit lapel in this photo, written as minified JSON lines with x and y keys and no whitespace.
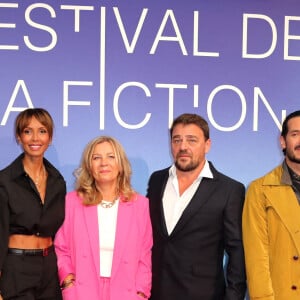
{"x":124,"y":218}
{"x":91,"y":219}
{"x":287,"y":207}
{"x":202,"y":195}
{"x":162,"y":218}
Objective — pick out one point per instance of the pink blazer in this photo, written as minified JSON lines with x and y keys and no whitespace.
{"x":77,"y":249}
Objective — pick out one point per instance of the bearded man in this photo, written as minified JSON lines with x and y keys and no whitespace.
{"x":196,"y":218}
{"x":271,"y":224}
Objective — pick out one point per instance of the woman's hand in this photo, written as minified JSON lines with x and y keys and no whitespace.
{"x":141,"y":294}
{"x":68,"y":281}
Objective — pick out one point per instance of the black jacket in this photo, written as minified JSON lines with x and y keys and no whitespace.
{"x":188,"y":263}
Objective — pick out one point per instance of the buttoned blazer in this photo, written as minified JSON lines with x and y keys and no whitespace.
{"x":188,"y":263}
{"x":271,"y":234}
{"x":77,"y":248}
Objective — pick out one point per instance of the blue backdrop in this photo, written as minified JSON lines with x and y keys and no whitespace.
{"x":127,"y":68}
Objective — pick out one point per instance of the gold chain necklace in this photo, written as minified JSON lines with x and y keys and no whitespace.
{"x":108,"y":204}
{"x":38,"y":178}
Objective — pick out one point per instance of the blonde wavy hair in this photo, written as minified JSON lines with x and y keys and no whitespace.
{"x":85,"y":182}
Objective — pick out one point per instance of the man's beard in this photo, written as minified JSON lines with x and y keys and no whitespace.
{"x":290,"y":155}
{"x":186,"y":168}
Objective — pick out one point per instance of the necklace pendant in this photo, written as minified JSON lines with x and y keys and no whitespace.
{"x":107,"y":204}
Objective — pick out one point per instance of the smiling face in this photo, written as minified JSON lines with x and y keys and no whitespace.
{"x":34,"y":138}
{"x":104,"y":164}
{"x":189,"y":147}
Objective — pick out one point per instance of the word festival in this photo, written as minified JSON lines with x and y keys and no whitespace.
{"x":80,"y":16}
{"x":41,"y":24}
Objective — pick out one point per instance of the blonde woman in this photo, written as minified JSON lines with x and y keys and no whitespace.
{"x":104,"y":245}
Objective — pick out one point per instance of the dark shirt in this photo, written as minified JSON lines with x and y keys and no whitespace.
{"x":21,"y":208}
{"x":291,"y":178}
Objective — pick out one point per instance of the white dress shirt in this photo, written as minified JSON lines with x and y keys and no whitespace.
{"x":173,"y":203}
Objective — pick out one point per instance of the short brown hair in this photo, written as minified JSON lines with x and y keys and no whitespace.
{"x":187,"y":119}
{"x":24,"y":118}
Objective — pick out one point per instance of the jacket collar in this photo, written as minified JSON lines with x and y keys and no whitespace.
{"x":17,"y":168}
{"x":280,"y":194}
{"x":203,"y":193}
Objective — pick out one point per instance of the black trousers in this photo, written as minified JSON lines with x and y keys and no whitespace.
{"x":30,"y":278}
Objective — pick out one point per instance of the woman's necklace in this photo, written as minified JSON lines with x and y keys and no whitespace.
{"x":107,"y":204}
{"x":39,"y":178}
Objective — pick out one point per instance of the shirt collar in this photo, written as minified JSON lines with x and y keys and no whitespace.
{"x":205,"y":172}
{"x":285,"y":177}
{"x":17,"y":168}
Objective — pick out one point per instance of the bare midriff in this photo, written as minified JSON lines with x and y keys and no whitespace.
{"x":22,"y":241}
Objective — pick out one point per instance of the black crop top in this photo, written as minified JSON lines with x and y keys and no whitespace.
{"x":21,"y":208}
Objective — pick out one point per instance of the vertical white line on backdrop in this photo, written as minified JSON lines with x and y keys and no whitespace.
{"x":102,"y":66}
{"x":196,"y":95}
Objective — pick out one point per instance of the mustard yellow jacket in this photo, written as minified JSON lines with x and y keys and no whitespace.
{"x":271,"y":236}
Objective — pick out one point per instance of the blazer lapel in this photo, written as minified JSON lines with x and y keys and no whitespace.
{"x":123,"y":224}
{"x":202,"y":194}
{"x":155,"y":194}
{"x":91,"y":219}
{"x":286,"y":205}
{"x":161,"y":217}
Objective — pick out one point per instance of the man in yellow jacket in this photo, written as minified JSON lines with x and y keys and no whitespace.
{"x":271,"y":224}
